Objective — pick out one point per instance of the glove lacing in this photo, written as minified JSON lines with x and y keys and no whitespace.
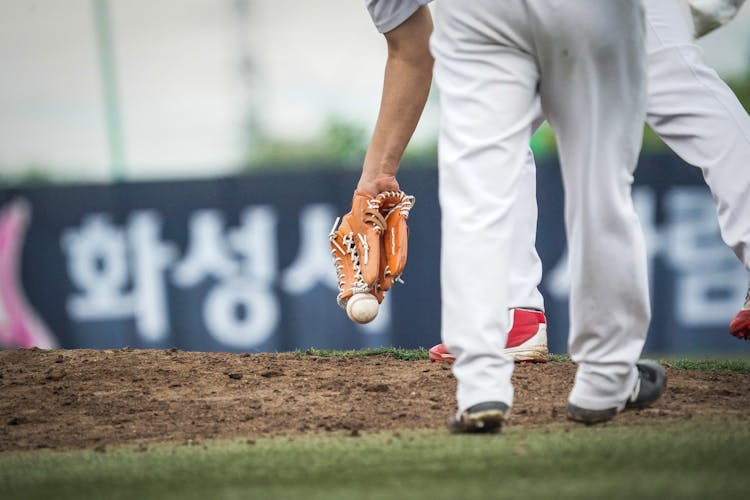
{"x":404,"y":206}
{"x":349,"y":248}
{"x":401,"y":201}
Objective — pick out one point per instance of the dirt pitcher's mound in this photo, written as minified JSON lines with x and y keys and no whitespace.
{"x":84,"y":398}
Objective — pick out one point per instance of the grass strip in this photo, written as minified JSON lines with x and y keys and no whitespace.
{"x":738,"y":365}
{"x":394,"y":352}
{"x":700,"y":458}
{"x":709,"y":365}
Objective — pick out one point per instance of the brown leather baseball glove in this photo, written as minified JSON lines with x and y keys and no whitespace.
{"x":369,"y":246}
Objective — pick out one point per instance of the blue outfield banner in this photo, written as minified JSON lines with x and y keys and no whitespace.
{"x":243,"y":264}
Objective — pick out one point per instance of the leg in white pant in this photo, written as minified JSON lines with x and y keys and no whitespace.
{"x":488,"y":60}
{"x":486,"y":92}
{"x":699,"y":117}
{"x":594,"y":98}
{"x":526,"y":274}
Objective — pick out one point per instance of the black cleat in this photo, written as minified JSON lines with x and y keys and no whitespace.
{"x":652,"y":380}
{"x":485,"y":418}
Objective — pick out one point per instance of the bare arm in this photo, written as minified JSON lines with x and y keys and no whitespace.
{"x":408,"y":75}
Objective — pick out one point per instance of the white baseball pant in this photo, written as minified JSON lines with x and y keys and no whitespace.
{"x":699,"y":118}
{"x":586,"y":60}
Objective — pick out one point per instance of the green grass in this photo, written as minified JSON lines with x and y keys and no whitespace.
{"x":394,"y":352}
{"x":739,"y":365}
{"x":693,"y":459}
{"x":709,"y":365}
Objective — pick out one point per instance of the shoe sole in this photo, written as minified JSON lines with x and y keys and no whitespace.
{"x":482,"y":422}
{"x":535,"y":354}
{"x":590,"y":417}
{"x":533,"y":350}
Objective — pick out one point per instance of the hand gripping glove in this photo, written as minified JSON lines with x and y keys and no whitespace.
{"x":369,"y":247}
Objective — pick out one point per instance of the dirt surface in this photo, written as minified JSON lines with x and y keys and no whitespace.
{"x":94,"y":399}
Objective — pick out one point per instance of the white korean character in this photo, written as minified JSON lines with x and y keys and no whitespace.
{"x":150,"y":257}
{"x":208,"y":254}
{"x":255,"y":241}
{"x":240,"y":313}
{"x":313,"y":264}
{"x":98,"y":266}
{"x":242,"y":309}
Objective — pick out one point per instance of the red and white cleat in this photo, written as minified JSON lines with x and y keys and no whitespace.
{"x":740,"y":325}
{"x":527,"y":339}
{"x":440,"y":353}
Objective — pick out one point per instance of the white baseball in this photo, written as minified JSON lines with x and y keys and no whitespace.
{"x":362,"y":307}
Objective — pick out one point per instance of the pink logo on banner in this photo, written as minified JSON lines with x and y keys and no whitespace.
{"x":19,"y":324}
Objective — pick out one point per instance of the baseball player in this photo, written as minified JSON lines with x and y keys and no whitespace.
{"x":407,"y":25}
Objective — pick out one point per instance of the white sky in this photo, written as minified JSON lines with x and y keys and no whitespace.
{"x":183,"y":96}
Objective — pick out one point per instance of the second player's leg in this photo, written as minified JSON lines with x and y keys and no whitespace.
{"x":700,"y":118}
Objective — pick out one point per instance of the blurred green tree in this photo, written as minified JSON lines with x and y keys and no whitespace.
{"x":343,"y":143}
